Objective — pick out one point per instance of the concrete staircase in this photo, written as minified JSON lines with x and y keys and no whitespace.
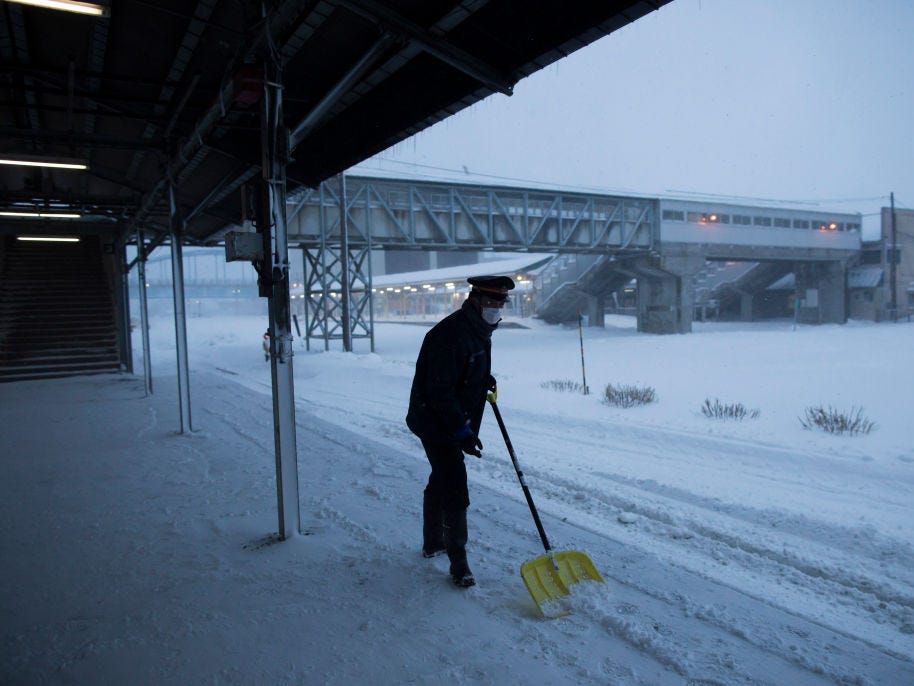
{"x":721,"y":284}
{"x":709,"y":284}
{"x":57,"y":315}
{"x":569,"y":280}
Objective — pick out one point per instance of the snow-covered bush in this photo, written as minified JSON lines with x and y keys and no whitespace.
{"x":719,"y":410}
{"x":628,"y":396}
{"x":562,"y":385}
{"x":835,"y":422}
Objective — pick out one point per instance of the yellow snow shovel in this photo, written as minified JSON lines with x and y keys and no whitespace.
{"x":550,"y":576}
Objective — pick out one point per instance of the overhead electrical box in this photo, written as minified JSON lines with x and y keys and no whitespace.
{"x":243,"y":246}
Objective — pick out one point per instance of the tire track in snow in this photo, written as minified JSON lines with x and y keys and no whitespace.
{"x":720,"y":514}
{"x":708,"y":530}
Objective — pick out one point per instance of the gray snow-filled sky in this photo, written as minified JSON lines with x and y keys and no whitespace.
{"x":808,"y":101}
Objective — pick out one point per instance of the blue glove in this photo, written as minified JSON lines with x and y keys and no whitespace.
{"x":468,"y":441}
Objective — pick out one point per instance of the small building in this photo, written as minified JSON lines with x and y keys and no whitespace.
{"x":885,"y":268}
{"x":866,"y":292}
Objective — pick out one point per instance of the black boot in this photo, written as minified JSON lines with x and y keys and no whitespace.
{"x":455,"y":539}
{"x":432,"y":526}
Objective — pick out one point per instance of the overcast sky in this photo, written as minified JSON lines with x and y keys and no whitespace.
{"x":791,"y":100}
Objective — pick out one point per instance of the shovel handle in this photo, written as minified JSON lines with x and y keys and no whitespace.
{"x":520,"y":476}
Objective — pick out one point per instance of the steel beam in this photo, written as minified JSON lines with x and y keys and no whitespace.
{"x":345,"y":319}
{"x":432,"y":44}
{"x":337,"y":285}
{"x":319,"y":112}
{"x":393,"y":214}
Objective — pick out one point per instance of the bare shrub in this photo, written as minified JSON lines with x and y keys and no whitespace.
{"x":562,"y":385}
{"x":835,"y":422}
{"x":628,"y":396}
{"x":719,"y":410}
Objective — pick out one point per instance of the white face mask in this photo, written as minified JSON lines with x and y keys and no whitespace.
{"x":491,"y":315}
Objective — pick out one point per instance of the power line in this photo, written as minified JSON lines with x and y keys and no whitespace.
{"x":610,"y":190}
{"x":514,"y":179}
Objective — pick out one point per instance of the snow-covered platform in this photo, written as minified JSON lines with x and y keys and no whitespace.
{"x":134,"y":554}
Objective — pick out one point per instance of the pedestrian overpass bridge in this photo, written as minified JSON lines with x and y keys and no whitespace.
{"x":602,"y":242}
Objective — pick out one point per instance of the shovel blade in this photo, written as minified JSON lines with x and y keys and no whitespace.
{"x":549,"y":577}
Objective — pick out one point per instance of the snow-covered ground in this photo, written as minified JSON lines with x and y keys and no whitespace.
{"x":734,"y":552}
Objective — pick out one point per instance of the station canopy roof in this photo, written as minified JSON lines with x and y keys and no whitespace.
{"x":173,"y":88}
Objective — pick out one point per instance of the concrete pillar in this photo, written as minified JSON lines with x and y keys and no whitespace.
{"x":595,"y":310}
{"x":684,"y":264}
{"x":745,"y":307}
{"x":658,"y":304}
{"x":821,"y":290}
{"x":665,"y":294}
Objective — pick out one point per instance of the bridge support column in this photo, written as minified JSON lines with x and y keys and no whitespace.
{"x":821,"y":288}
{"x":665,"y":295}
{"x":745,"y":306}
{"x":596,"y":304}
{"x":658,"y":304}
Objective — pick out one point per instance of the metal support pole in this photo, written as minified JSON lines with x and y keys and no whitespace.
{"x":271,"y":219}
{"x":344,"y":269}
{"x":177,"y":278}
{"x":370,"y":294}
{"x":307,"y":294}
{"x":325,"y":289}
{"x":144,"y":309}
{"x":893,"y":272}
{"x":122,"y":301}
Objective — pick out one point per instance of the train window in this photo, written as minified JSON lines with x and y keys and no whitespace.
{"x":761,"y":221}
{"x":723,"y":218}
{"x":698,"y":217}
{"x":674,"y":215}
{"x":742,"y":219}
{"x":801,"y":223}
{"x":780,"y":221}
{"x":853,"y":227}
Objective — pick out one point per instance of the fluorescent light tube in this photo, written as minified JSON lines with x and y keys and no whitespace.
{"x":49,"y":239}
{"x":41,"y":215}
{"x":67,"y":6}
{"x":29,"y":161}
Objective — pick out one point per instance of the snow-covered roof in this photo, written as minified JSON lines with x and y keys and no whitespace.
{"x":861,"y":277}
{"x":526,"y":263}
{"x":864,"y":277}
{"x":785,"y":283}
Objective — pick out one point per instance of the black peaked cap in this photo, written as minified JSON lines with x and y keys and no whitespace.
{"x":495,"y":287}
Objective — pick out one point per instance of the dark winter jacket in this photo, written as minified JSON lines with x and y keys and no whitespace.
{"x":452,"y":376}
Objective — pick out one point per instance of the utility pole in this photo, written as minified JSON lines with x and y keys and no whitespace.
{"x":893,"y":275}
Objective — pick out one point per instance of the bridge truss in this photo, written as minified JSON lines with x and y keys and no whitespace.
{"x":393,"y":214}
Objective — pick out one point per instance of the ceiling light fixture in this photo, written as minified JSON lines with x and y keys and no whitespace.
{"x":30,"y":161}
{"x":49,"y":239}
{"x":90,"y":8}
{"x":41,"y":215}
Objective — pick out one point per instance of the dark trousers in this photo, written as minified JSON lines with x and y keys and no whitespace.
{"x":447,"y":484}
{"x":445,"y":501}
